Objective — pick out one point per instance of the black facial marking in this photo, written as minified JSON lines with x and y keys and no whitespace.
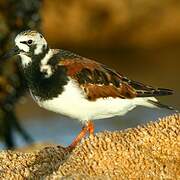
{"x":45,"y":88}
{"x":23,"y":42}
{"x":32,"y":49}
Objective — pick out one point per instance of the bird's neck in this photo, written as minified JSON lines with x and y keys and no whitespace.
{"x":27,"y":58}
{"x":44,"y":78}
{"x":35,"y":66}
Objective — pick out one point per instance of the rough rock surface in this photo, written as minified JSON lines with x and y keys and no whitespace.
{"x":146,"y":152}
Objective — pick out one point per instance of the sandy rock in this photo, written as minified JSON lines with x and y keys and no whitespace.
{"x":146,"y":152}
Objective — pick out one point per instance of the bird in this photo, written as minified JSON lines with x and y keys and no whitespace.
{"x":80,"y":88}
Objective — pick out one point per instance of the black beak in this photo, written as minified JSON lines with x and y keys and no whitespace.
{"x":14,"y":51}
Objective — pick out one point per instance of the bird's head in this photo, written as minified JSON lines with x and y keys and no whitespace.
{"x":28,"y":44}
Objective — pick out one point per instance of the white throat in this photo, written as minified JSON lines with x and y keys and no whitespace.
{"x":25,"y":60}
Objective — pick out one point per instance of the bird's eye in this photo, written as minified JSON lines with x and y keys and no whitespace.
{"x":29,"y":42}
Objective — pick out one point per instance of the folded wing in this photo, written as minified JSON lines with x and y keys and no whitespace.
{"x":99,"y":81}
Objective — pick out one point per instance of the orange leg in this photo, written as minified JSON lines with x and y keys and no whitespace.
{"x":89,"y":127}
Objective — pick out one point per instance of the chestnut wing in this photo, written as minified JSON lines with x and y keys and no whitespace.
{"x":99,"y":81}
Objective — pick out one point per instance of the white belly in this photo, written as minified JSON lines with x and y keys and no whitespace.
{"x":73,"y":104}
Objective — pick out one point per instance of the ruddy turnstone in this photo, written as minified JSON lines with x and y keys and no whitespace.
{"x":75,"y":86}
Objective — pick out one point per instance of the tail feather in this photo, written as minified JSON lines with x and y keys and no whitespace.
{"x":163,"y":91}
{"x":160,"y":105}
{"x":154,"y":92}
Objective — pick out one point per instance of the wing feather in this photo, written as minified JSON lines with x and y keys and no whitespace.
{"x":99,"y":81}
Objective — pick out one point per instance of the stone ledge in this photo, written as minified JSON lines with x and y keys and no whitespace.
{"x":145,"y":152}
